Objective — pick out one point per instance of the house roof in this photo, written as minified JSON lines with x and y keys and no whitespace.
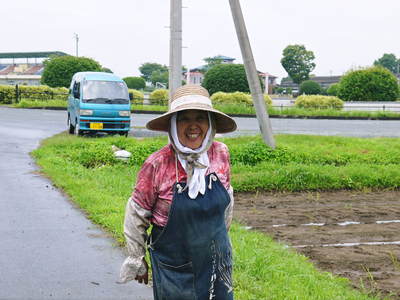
{"x":223,"y":57}
{"x":31,"y":54}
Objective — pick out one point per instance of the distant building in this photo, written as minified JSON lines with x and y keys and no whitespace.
{"x":324,"y":81}
{"x":196,"y":75}
{"x":13,"y":71}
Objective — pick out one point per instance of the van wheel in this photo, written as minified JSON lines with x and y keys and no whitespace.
{"x":71,"y":128}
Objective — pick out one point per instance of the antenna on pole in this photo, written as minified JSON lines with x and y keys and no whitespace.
{"x":252,"y":74}
{"x":76,"y":43}
{"x":175,"y":47}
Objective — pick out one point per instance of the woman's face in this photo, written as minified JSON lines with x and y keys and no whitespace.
{"x":192,"y":127}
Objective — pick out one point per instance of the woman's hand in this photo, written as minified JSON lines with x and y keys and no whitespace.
{"x":143,"y":278}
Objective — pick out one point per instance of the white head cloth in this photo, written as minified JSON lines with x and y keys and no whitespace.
{"x":196,"y":181}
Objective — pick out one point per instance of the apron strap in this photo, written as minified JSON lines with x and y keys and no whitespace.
{"x":178,"y":186}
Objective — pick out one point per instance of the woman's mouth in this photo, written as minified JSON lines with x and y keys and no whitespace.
{"x":193,"y":136}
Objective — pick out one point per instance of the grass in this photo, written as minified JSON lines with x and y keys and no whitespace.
{"x":86,"y":170}
{"x":25,"y":103}
{"x":303,"y":162}
{"x":240,"y":109}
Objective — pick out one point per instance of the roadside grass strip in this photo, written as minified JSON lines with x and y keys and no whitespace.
{"x":100,"y":185}
{"x":240,"y":109}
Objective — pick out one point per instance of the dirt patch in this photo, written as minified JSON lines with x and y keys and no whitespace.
{"x":351,"y":234}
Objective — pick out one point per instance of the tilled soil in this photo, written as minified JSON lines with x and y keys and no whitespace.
{"x":351,"y":234}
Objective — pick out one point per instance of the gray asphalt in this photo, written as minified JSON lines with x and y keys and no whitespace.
{"x":249,"y":126}
{"x":48,"y":249}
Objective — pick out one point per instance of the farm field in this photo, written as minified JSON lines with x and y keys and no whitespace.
{"x":351,"y":234}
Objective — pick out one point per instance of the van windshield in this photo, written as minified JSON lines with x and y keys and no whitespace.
{"x":110,"y":92}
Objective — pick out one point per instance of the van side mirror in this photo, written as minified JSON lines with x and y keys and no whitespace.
{"x":131,"y":96}
{"x":76,"y":94}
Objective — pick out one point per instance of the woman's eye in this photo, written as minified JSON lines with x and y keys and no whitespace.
{"x":201,"y":118}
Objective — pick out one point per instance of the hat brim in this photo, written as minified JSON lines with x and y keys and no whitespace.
{"x":223,"y":122}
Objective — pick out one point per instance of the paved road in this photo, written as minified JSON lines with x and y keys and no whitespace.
{"x":48,"y":249}
{"x":249,"y":126}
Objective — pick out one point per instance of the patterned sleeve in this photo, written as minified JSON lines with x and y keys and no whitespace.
{"x":145,"y":192}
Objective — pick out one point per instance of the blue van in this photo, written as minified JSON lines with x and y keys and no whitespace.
{"x":98,"y":102}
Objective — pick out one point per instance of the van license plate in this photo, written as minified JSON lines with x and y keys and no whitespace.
{"x":96,"y":125}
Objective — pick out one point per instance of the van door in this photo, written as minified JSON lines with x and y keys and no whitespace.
{"x":76,"y":93}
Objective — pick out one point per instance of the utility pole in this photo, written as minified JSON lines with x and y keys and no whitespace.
{"x":252,"y":74}
{"x":76,"y":43}
{"x":175,"y":47}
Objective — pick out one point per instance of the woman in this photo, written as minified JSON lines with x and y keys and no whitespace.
{"x":184,"y":191}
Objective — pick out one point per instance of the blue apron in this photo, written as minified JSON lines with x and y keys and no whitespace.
{"x":191,"y":256}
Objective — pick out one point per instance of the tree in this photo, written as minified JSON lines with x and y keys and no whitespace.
{"x":159,"y":76}
{"x":371,"y":84}
{"x":136,"y":83}
{"x":226,"y":78}
{"x":210,"y":62}
{"x":310,"y":87}
{"x":106,"y":70}
{"x":388,"y":61}
{"x":298,"y":62}
{"x":58,"y":70}
{"x":333,"y":89}
{"x":148,"y":68}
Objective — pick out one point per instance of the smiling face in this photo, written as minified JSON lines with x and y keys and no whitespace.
{"x":192,"y":126}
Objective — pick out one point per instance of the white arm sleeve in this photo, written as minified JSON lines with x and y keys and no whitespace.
{"x":135,"y":226}
{"x":229,"y":209}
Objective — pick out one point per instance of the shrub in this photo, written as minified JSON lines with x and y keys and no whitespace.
{"x":137,"y":96}
{"x":226,"y":78}
{"x":268,"y":100}
{"x":319,"y":102}
{"x":310,"y":87}
{"x":43,"y":92}
{"x":135,"y":82}
{"x":95,"y":155}
{"x":333,"y":89}
{"x":7,"y":94}
{"x":371,"y":84}
{"x":280,"y":90}
{"x":159,"y":96}
{"x":236,"y":98}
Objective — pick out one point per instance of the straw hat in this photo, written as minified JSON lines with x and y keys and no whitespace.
{"x":192,"y":97}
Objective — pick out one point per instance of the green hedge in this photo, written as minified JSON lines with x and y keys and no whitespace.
{"x":137,"y":96}
{"x":319,"y":102}
{"x":7,"y":94}
{"x":41,"y":92}
{"x":236,"y":98}
{"x":135,"y":82}
{"x":159,"y":96}
{"x":310,"y":87}
{"x":333,"y":89}
{"x":371,"y":84}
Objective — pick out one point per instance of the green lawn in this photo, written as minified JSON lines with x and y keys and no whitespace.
{"x":263,"y":269}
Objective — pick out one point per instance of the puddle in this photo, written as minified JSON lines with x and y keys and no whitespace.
{"x":345,"y":223}
{"x":350,"y":244}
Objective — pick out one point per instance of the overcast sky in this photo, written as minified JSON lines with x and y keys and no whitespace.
{"x":123,"y":34}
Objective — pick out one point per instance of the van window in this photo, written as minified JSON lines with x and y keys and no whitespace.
{"x":111,"y":92}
